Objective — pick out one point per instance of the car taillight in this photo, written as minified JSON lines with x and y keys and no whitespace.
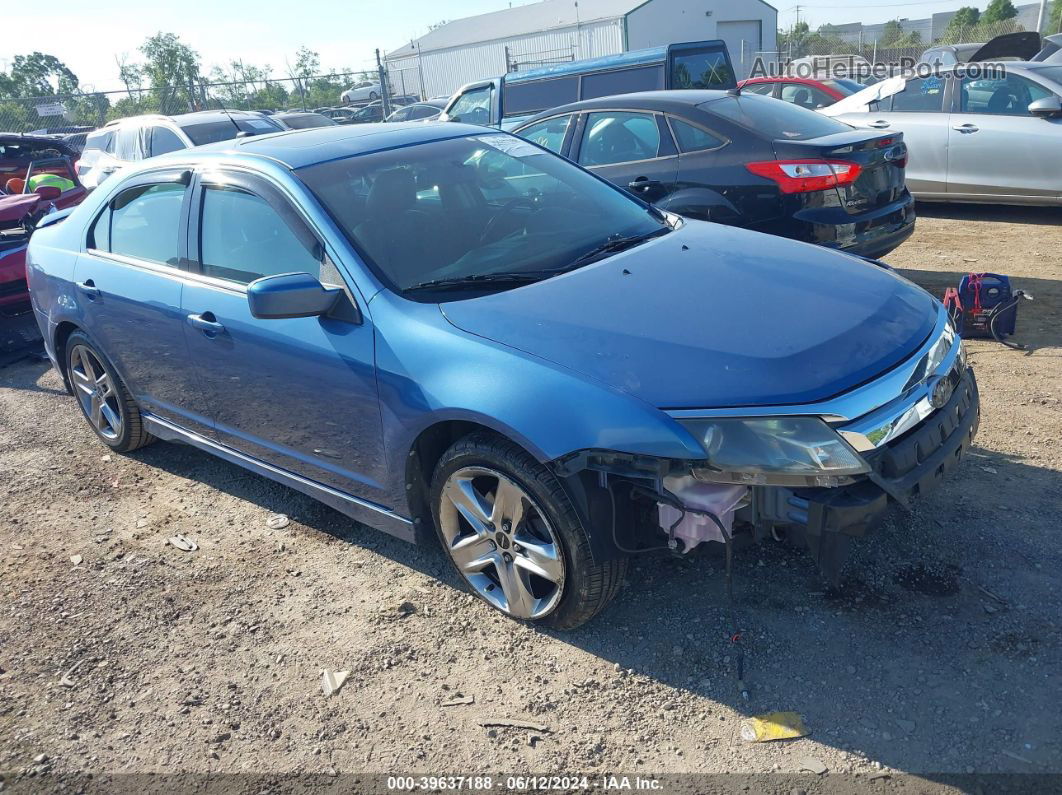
{"x":803,"y":176}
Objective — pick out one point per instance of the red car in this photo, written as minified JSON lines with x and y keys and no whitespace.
{"x":23,"y":161}
{"x":802,"y":91}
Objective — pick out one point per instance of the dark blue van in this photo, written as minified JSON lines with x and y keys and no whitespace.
{"x":507,"y":100}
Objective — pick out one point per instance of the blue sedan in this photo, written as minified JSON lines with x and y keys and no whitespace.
{"x":449,"y":332}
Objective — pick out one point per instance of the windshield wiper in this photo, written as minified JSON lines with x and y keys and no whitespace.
{"x":473,"y":279}
{"x":613,"y":245}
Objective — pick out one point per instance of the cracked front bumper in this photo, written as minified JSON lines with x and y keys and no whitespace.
{"x":904,"y":468}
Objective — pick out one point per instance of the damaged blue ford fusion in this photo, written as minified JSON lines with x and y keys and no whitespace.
{"x":456,"y":336}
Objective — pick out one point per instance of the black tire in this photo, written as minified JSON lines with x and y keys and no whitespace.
{"x":373,"y":96}
{"x":587,"y":586}
{"x":131,"y":434}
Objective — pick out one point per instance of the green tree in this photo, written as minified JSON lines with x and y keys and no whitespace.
{"x":964,"y":21}
{"x":891,"y":33}
{"x":999,"y":11}
{"x":794,"y":42}
{"x":38,"y":75}
{"x":1054,"y":18}
{"x":174,"y":71}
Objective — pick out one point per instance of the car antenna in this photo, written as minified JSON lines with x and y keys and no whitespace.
{"x":734,"y":92}
{"x":239,"y":133}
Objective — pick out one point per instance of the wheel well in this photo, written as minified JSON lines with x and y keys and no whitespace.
{"x":62,"y":334}
{"x":425,"y":453}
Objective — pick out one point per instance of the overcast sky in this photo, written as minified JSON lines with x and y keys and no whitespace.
{"x":88,"y":36}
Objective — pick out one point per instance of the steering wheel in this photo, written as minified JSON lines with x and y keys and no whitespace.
{"x":504,"y":212}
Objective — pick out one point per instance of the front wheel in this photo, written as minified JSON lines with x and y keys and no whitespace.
{"x":511,"y":532}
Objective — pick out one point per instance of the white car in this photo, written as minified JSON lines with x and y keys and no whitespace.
{"x":993,"y":138}
{"x":368,"y":91}
{"x":124,"y":141}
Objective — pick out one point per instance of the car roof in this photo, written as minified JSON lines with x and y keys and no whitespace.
{"x":300,"y":148}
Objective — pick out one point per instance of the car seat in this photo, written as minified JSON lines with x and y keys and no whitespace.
{"x":1000,"y":101}
{"x":394,"y":233}
{"x":802,"y":97}
{"x":15,"y":185}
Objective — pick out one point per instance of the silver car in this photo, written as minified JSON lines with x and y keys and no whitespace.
{"x":991,"y":139}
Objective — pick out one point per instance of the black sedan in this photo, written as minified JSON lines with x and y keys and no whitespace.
{"x":742,"y":159}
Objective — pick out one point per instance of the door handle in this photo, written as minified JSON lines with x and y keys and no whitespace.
{"x":91,"y":291}
{"x":880,"y":124}
{"x":642,"y":182}
{"x":206,"y":323}
{"x":966,"y":128}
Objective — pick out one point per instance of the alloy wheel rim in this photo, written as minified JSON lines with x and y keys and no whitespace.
{"x":501,"y":542}
{"x":95,"y":391}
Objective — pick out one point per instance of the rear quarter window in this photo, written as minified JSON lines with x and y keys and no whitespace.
{"x":778,"y":121}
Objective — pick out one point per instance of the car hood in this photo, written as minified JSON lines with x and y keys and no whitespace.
{"x":711,"y":316}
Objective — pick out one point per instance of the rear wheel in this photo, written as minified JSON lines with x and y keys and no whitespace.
{"x":106,"y":403}
{"x":511,"y":532}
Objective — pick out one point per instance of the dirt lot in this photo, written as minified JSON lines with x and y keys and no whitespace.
{"x":941,"y":655}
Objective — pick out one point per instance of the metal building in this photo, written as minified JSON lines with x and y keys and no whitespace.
{"x":554,"y":31}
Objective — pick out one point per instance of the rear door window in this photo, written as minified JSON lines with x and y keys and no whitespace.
{"x":619,"y":137}
{"x":144,"y":223}
{"x":549,"y":133}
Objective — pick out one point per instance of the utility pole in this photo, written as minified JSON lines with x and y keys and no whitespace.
{"x":385,"y":94}
{"x":1041,"y":17}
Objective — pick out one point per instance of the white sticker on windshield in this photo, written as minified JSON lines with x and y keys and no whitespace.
{"x":510,"y":144}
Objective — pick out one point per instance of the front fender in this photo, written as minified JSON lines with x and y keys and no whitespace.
{"x":431,"y":372}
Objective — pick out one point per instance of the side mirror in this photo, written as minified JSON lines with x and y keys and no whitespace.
{"x":48,"y":193}
{"x":1046,"y":108}
{"x":290,"y":295}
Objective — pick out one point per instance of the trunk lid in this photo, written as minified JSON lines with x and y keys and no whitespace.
{"x":881,"y":159}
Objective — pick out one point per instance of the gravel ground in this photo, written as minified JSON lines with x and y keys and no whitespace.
{"x":940,"y":655}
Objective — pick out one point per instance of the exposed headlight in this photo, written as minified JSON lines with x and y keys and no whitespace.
{"x":776,"y":451}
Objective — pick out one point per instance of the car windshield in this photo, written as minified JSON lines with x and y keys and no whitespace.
{"x":481,"y":208}
{"x":772,"y":119}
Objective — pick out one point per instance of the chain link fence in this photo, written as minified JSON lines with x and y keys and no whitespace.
{"x":74,"y":112}
{"x":878,"y":50}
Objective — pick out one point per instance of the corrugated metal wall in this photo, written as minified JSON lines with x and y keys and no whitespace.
{"x":444,"y":71}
